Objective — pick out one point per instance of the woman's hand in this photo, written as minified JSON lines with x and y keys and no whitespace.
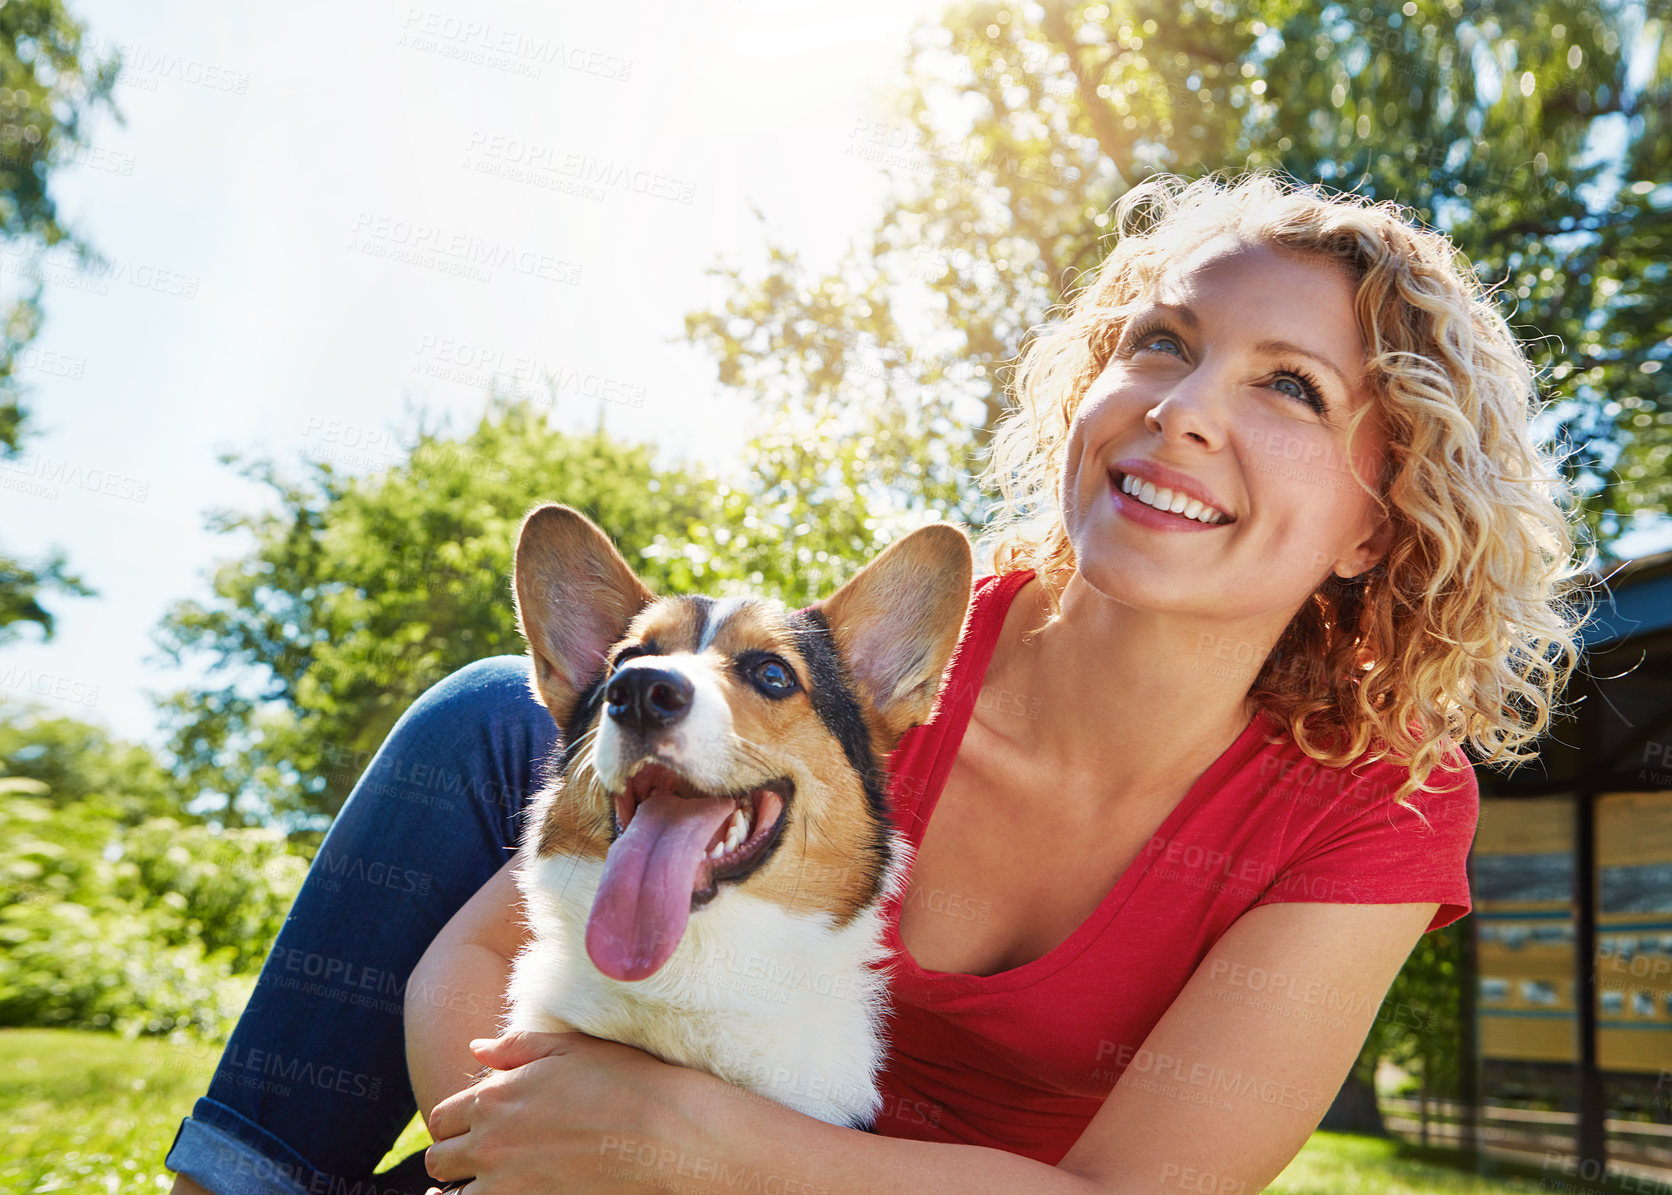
{"x":564,"y":1112}
{"x":568,"y":1112}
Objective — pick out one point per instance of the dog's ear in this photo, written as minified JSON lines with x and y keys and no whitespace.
{"x":898,"y":620}
{"x":575,"y":597}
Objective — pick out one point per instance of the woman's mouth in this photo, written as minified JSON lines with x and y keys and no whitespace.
{"x":1167,"y":501}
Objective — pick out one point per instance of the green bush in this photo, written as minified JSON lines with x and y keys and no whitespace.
{"x":154,"y":928}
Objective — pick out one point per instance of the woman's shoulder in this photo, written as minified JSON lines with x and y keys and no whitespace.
{"x":997,"y":590}
{"x":1370,"y":786}
{"x":1349,"y":836}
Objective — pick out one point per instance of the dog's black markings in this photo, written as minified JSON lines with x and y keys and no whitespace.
{"x":586,"y":710}
{"x":704,"y":606}
{"x":834,"y":702}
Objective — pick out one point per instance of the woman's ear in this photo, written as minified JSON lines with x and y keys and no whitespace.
{"x":1374,"y":468}
{"x":1368,"y":552}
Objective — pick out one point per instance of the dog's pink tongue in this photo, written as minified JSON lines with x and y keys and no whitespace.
{"x":644,"y":899}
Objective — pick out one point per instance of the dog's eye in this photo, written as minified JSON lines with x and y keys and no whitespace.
{"x":773,"y":677}
{"x":628,"y":653}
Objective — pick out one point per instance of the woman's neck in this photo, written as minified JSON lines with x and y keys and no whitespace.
{"x":1140,"y":701}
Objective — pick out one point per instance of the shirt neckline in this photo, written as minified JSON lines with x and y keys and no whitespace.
{"x":968,"y":673}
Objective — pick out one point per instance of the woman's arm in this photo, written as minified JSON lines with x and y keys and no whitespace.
{"x":1233,"y":1079}
{"x":457,"y":990}
{"x":1221,"y":1096}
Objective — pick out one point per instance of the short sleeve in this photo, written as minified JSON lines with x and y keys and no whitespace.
{"x":1359,"y":847}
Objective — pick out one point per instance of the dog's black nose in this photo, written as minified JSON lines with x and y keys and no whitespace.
{"x":648,"y":698}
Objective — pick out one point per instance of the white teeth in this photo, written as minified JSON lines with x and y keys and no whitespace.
{"x":737,"y":829}
{"x":1167,"y":500}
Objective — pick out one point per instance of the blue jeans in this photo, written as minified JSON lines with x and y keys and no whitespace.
{"x":312,"y":1089}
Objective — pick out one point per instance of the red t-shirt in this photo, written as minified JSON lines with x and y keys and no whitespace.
{"x":1023,"y":1059}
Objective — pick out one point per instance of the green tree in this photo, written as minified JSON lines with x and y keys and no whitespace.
{"x":113,"y":913}
{"x":22,"y":586}
{"x":361,"y":592}
{"x":50,"y":88}
{"x":155,"y":927}
{"x":1419,"y":1028}
{"x":76,"y":761}
{"x":1537,"y":134}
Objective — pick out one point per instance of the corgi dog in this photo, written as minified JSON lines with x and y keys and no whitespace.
{"x":705,"y":874}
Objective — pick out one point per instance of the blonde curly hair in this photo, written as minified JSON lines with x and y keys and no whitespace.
{"x":1464,"y":633}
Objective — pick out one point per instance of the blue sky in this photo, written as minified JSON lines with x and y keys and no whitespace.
{"x":319,"y":216}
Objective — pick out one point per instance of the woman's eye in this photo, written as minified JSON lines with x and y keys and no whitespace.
{"x":774,"y":676}
{"x":1302,"y":389}
{"x":1163,"y":343}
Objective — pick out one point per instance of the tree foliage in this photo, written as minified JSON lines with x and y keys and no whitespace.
{"x":114,"y":914}
{"x":362,"y":591}
{"x":1420,"y":1027}
{"x":50,"y":88}
{"x":1537,"y":134}
{"x":75,"y":762}
{"x":154,"y":928}
{"x":21,"y":588}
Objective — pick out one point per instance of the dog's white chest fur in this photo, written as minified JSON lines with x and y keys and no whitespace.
{"x":784,"y":1004}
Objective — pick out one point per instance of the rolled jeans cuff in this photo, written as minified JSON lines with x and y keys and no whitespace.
{"x":230,"y":1155}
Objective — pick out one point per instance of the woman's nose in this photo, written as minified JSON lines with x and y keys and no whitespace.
{"x":1192,"y":410}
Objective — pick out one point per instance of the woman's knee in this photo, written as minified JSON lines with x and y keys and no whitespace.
{"x":478,"y":703}
{"x":489,"y":686}
{"x":476,"y":738}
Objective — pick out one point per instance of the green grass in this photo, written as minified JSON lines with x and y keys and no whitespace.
{"x":90,"y":1112}
{"x":87,"y":1112}
{"x":1334,"y":1164}
{"x":415,"y":1137}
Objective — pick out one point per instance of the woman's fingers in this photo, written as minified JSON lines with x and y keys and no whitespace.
{"x":449,"y":1162}
{"x":453,"y":1115}
{"x":511,"y":1050}
{"x":515,"y":1128}
{"x":452,"y":1159}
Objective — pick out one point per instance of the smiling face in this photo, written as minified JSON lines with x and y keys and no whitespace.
{"x":1227,"y":401}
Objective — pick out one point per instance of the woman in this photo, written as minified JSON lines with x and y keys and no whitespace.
{"x":1278,"y":543}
